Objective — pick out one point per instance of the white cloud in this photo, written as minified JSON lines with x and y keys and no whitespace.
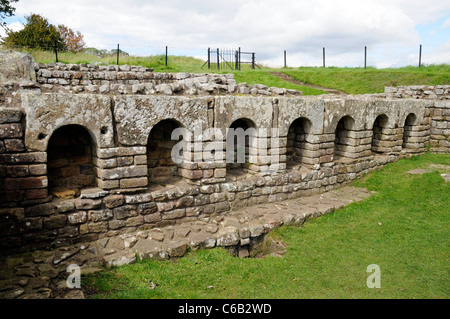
{"x":15,"y":26}
{"x":267,"y":27}
{"x":446,"y":23}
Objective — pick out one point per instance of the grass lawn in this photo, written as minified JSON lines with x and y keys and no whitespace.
{"x":371,"y":80}
{"x":404,"y":229}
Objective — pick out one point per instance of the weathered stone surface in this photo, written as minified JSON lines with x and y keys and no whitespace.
{"x":125,"y":212}
{"x":87,"y":204}
{"x":228,"y":237}
{"x":120,"y":259}
{"x":16,"y":66}
{"x":113,"y":201}
{"x":46,"y":113}
{"x":177,"y":249}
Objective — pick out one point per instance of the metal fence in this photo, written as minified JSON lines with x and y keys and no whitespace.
{"x":231,"y":59}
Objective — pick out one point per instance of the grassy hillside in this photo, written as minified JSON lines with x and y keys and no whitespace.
{"x":371,"y":80}
{"x":348,"y":80}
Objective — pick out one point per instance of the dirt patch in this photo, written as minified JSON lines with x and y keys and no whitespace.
{"x":287,"y":78}
{"x":443,"y":169}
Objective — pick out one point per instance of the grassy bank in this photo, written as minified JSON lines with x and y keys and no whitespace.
{"x":371,"y":80}
{"x":404,"y":229}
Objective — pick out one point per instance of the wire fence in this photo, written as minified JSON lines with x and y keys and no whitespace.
{"x":213,"y":58}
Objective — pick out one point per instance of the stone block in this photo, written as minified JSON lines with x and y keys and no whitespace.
{"x":125,"y":212}
{"x":174,"y":214}
{"x":86,"y":204}
{"x":38,"y":169}
{"x":11,"y":130}
{"x":14,"y":145}
{"x":10,"y":115}
{"x":40,"y":193}
{"x":26,"y":182}
{"x":123,"y":172}
{"x":133,"y":182}
{"x":100,"y":215}
{"x":55,"y":222}
{"x":77,"y":218}
{"x":113,"y":201}
{"x":152,"y":218}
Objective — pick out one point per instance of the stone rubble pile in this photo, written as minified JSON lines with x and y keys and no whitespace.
{"x":126,"y":79}
{"x":438,"y":92}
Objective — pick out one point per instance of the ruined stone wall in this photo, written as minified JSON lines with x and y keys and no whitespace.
{"x":126,"y":79}
{"x":110,"y":176}
{"x":438,"y":92}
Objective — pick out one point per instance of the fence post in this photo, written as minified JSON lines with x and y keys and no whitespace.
{"x":239,"y":58}
{"x":420,"y":56}
{"x":324,"y":57}
{"x":365,"y":57}
{"x":118,"y":50}
{"x":166,"y":55}
{"x":56,"y":51}
{"x":253,"y":60}
{"x":285,"y":59}
{"x":236,"y":62}
{"x":218,"y":61}
{"x":209,"y":58}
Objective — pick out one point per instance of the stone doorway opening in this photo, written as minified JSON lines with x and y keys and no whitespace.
{"x":241,"y":149}
{"x":297,"y":146}
{"x":162,"y":169}
{"x":409,"y":145}
{"x":379,"y":135}
{"x":345,"y":141}
{"x":71,"y":154}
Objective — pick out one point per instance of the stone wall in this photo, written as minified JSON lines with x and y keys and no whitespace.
{"x":440,"y":127}
{"x":438,"y":92}
{"x":126,"y":79}
{"x":79,"y":166}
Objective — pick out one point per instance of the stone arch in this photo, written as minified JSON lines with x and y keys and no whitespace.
{"x":71,"y":154}
{"x":241,"y":144}
{"x":297,"y":145}
{"x":408,"y":132}
{"x":380,"y":135}
{"x":161,"y":165}
{"x":344,"y":139}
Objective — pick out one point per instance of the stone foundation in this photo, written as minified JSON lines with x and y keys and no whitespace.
{"x":85,"y":165}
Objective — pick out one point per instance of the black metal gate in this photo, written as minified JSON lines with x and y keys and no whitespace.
{"x":229,"y":59}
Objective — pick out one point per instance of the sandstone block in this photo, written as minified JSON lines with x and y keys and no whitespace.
{"x":113,"y":201}
{"x":133,"y":182}
{"x":125,"y":212}
{"x":86,"y":204}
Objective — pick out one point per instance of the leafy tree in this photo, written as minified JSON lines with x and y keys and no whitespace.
{"x":73,"y":41}
{"x":37,"y":33}
{"x":6,"y":10}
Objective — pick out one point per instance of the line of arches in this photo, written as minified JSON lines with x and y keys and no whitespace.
{"x":72,"y":148}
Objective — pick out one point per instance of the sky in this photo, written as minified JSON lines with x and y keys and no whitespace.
{"x":392,"y":30}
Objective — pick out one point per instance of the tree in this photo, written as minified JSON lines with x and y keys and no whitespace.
{"x":6,"y":10}
{"x":37,"y":33}
{"x":73,"y":41}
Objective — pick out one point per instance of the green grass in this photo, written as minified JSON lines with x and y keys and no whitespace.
{"x":371,"y":80}
{"x":264,"y":77}
{"x":404,"y":228}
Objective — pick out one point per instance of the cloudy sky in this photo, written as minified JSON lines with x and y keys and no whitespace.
{"x":391,"y":29}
